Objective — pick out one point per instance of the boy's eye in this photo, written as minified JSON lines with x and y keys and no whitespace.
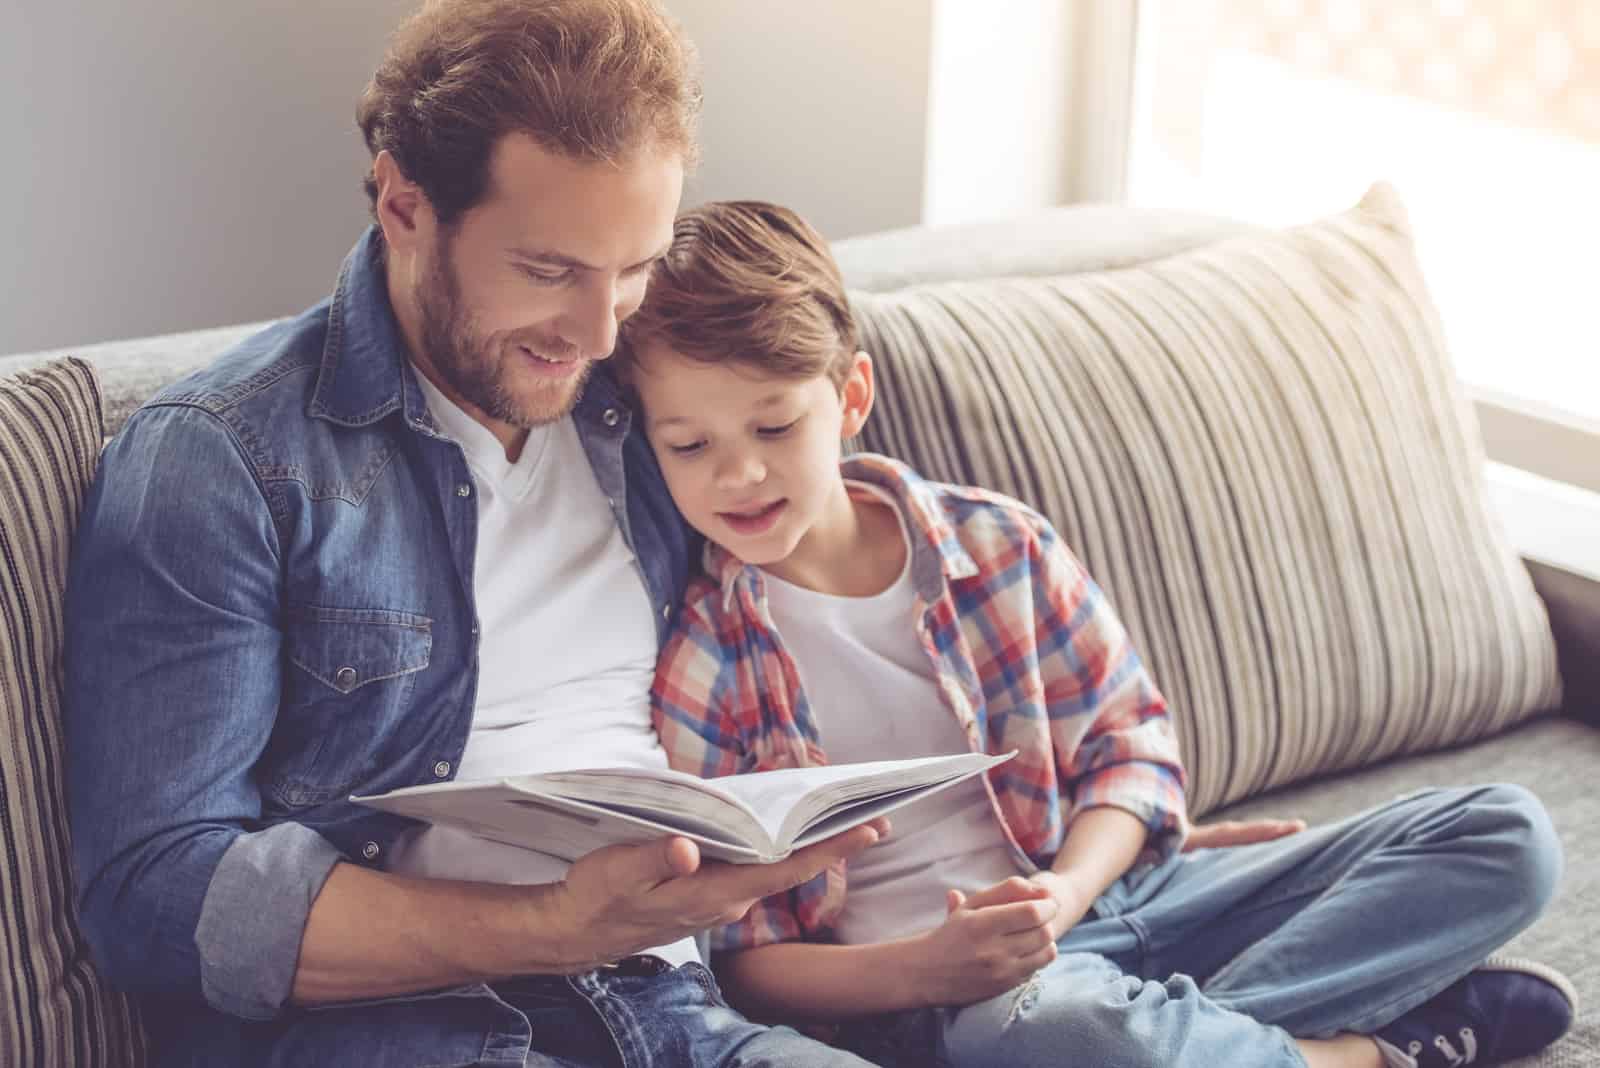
{"x":686,"y":450}
{"x":776,"y":431}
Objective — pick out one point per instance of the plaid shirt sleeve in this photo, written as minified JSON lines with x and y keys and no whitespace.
{"x":694,"y":705}
{"x":1109,"y":726}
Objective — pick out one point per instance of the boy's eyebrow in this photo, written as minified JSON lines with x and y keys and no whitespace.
{"x":770,"y":400}
{"x":552,"y":258}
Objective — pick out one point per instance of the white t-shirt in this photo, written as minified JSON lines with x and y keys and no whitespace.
{"x":568,"y":641}
{"x":872,"y":691}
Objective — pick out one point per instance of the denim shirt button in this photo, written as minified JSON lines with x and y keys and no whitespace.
{"x":464,"y":490}
{"x":441,"y":769}
{"x":611,"y":417}
{"x":345,"y":677}
{"x":370,"y":850}
{"x":666,"y":611}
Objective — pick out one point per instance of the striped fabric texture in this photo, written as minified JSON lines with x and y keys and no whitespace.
{"x":54,"y":1010}
{"x":1260,"y":451}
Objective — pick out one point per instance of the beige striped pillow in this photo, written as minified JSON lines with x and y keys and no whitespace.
{"x":54,"y":1010}
{"x":1259,"y":449}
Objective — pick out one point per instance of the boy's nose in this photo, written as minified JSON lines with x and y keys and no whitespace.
{"x":737,"y":471}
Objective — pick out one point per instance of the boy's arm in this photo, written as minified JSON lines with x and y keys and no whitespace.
{"x":1113,"y":738}
{"x":987,"y":944}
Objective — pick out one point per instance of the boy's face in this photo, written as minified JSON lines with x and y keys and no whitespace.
{"x":752,"y":460}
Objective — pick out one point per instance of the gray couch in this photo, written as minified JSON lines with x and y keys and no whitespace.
{"x":1554,"y":755}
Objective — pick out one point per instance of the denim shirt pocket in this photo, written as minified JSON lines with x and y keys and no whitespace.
{"x":349,"y":674}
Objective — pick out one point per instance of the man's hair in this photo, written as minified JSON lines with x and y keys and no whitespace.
{"x":752,"y":283}
{"x":593,"y":80}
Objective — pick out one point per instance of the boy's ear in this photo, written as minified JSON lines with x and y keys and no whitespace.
{"x":856,"y":394}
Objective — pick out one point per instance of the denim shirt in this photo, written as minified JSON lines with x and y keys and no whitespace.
{"x":270,"y":608}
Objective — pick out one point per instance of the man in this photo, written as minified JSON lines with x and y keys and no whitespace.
{"x":406,"y":536}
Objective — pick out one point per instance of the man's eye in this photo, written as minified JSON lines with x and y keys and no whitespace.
{"x":776,"y":431}
{"x":686,"y":450}
{"x":545,"y":278}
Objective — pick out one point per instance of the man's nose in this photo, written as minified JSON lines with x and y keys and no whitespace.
{"x":590,"y":322}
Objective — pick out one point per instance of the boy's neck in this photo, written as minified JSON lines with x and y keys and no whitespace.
{"x":859,"y":550}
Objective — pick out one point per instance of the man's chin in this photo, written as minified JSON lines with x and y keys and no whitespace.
{"x":547,"y":402}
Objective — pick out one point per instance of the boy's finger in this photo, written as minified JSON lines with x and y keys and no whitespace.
{"x":1007,"y":892}
{"x":1016,"y":916}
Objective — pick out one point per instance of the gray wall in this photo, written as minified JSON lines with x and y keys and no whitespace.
{"x":176,"y":164}
{"x":822,"y":106}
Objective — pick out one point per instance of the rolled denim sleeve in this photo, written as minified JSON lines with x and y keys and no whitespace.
{"x":172,"y":684}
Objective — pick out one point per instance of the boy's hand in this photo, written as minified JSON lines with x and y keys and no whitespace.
{"x":1071,"y":896}
{"x":623,"y":899}
{"x":987,"y":944}
{"x":1239,"y":832}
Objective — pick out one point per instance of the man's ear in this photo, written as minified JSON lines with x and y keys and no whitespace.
{"x":404,"y":213}
{"x":855,"y":395}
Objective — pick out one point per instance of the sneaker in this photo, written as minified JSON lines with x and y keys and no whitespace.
{"x":1504,"y":1009}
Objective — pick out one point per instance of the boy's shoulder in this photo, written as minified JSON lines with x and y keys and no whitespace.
{"x":981,"y":520}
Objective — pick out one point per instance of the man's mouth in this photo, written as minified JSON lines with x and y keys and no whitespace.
{"x":551,"y":365}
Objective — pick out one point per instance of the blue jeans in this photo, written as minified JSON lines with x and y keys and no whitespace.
{"x":645,"y":1014}
{"x":1217,"y":957}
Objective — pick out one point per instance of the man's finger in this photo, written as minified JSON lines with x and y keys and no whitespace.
{"x":767,"y":879}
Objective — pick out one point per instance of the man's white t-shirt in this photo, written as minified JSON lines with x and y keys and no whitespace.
{"x":872,"y":692}
{"x":568,"y":641}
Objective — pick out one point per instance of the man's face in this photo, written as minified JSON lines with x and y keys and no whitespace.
{"x":516,"y":300}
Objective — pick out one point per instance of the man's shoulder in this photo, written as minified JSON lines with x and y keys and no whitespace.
{"x":284,"y":355}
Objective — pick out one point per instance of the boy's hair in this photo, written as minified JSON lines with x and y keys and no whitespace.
{"x":752,"y":283}
{"x":590,"y":79}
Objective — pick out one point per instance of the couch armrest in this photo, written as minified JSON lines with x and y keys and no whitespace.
{"x":1573,"y":603}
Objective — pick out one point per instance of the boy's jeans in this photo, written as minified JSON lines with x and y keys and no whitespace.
{"x":1217,"y":957}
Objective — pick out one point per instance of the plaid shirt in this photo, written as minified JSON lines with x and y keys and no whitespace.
{"x":1026,"y":654}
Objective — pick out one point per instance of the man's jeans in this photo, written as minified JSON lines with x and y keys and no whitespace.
{"x":643,"y":1014}
{"x":1217,"y":957}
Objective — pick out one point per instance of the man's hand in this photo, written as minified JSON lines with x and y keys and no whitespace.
{"x":987,"y":944}
{"x":1240,"y":832}
{"x":623,"y":899}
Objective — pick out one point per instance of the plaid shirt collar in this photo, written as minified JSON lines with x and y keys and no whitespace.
{"x":937,"y":555}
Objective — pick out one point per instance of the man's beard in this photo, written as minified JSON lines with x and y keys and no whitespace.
{"x":472,"y":365}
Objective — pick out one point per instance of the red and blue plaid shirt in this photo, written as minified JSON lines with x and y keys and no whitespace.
{"x":1026,"y":654}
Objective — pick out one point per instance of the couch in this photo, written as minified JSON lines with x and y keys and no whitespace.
{"x":1286,"y":504}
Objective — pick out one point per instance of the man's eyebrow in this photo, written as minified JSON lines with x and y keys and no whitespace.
{"x":551,"y":258}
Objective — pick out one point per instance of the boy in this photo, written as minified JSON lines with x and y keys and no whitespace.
{"x":853,"y":611}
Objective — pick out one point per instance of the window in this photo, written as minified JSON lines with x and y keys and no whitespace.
{"x":1486,"y":117}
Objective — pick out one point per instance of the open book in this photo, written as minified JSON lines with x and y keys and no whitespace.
{"x":747,"y":819}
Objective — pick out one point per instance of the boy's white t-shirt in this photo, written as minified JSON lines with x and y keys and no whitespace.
{"x":873,"y":695}
{"x":568,"y":642}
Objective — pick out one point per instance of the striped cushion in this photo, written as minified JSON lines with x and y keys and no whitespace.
{"x":54,"y":1011}
{"x":1259,"y":449}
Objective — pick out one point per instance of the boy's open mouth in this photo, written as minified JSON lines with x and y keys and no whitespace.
{"x":753,"y":520}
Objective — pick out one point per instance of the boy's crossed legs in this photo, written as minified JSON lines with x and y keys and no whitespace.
{"x":1218,"y":957}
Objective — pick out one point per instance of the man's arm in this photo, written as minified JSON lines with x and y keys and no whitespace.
{"x":372,"y":934}
{"x":173,"y":662}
